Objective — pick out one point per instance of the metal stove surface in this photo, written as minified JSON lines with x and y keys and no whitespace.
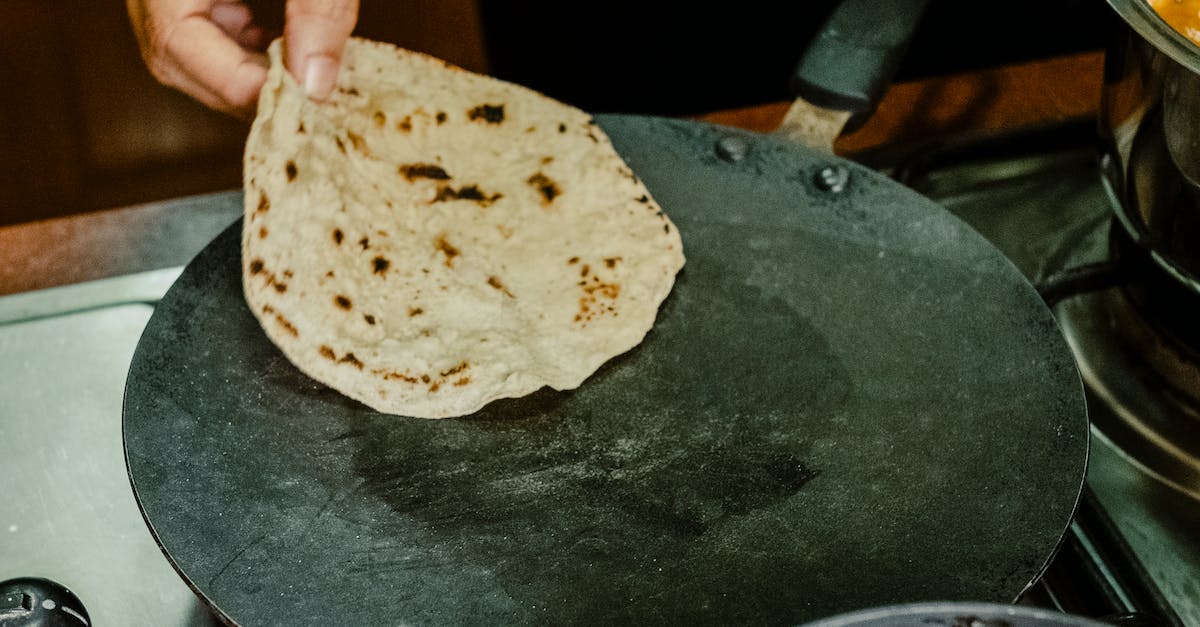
{"x":69,"y":513}
{"x":1049,"y":213}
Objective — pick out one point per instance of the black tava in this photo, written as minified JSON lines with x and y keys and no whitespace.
{"x":850,"y":399}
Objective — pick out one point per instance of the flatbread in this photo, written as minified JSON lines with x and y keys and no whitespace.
{"x":430,"y":240}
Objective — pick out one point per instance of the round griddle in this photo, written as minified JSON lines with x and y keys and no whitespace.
{"x":850,"y":399}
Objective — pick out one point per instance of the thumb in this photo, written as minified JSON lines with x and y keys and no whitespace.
{"x":314,"y":37}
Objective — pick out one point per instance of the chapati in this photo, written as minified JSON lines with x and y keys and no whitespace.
{"x":429,"y":239}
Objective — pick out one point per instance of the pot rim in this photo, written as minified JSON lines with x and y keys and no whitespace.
{"x":1146,"y":22}
{"x":948,"y":613}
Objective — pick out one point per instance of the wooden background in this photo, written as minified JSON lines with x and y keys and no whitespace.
{"x":84,"y":126}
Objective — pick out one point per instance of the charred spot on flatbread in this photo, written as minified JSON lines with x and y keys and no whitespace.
{"x":414,"y":171}
{"x":446,"y":248}
{"x":392,"y":375}
{"x":497,"y":284}
{"x":358,"y":142}
{"x":466,"y":192}
{"x":598,"y":299}
{"x":455,"y":369}
{"x":257,"y":267}
{"x":490,"y":113}
{"x":379,"y":265}
{"x":343,"y":302}
{"x":283,"y":322}
{"x":349,"y":357}
{"x":290,"y":168}
{"x":545,"y":186}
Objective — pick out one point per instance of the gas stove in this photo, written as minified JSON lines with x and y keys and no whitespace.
{"x":71,"y":516}
{"x":1133,"y":548}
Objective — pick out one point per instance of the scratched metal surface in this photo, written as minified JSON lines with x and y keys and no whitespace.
{"x":849,"y":400}
{"x":67,"y":512}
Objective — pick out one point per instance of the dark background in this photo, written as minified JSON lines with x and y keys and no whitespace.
{"x":84,"y":127}
{"x":675,"y":57}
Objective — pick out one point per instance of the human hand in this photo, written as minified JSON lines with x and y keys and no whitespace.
{"x":212,"y":50}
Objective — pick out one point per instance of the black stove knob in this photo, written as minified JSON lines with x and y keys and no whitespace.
{"x":34,"y":602}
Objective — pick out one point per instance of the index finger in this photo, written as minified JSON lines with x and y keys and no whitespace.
{"x":221,"y":73}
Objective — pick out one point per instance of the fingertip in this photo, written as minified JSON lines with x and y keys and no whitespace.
{"x":293,"y":59}
{"x":320,"y":76}
{"x":315,"y":34}
{"x":231,"y":17}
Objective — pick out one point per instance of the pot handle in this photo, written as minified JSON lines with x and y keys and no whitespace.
{"x":855,"y":55}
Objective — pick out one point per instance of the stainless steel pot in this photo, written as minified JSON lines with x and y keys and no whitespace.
{"x":1151,"y":119}
{"x":955,"y":614}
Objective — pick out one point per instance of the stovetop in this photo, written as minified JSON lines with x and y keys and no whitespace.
{"x":1050,"y":212}
{"x":70,"y":513}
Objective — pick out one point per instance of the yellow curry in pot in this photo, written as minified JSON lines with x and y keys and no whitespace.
{"x":1182,"y":15}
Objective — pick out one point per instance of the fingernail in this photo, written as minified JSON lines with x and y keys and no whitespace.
{"x":320,"y":76}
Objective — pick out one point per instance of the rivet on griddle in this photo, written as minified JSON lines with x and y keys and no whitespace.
{"x":832,"y":178}
{"x":732,"y":148}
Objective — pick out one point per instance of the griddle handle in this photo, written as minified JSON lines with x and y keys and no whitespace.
{"x":855,"y":55}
